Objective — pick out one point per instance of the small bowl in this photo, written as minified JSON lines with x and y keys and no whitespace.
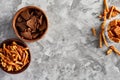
{"x":18,"y":13}
{"x":21,"y":43}
{"x":107,"y":29}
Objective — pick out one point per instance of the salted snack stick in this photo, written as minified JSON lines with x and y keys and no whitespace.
{"x":103,"y":25}
{"x":93,"y":31}
{"x":100,"y":40}
{"x":117,"y":9}
{"x":105,"y":14}
{"x":104,"y":39}
{"x":111,"y":11}
{"x":109,"y":51}
{"x":106,"y":5}
{"x":115,"y":50}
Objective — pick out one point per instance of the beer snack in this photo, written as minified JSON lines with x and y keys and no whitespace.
{"x":114,"y":30}
{"x":93,"y":31}
{"x":14,"y":56}
{"x":115,"y":50}
{"x":30,"y":23}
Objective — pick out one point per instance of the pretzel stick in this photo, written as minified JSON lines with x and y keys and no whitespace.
{"x":103,"y":25}
{"x":105,"y":15}
{"x":100,"y":40}
{"x":109,"y":51}
{"x":104,"y":39}
{"x":106,"y":5}
{"x":111,"y":11}
{"x":115,"y":50}
{"x":117,"y":10}
{"x":93,"y":31}
{"x":26,"y":57}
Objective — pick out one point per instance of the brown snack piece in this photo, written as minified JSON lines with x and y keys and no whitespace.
{"x":43,"y":26}
{"x":21,"y":26}
{"x":93,"y":31}
{"x":109,"y":51}
{"x":19,"y":19}
{"x":26,"y":34}
{"x":41,"y":20}
{"x":35,"y":35}
{"x":26,"y":15}
{"x":31,"y":23}
{"x":115,"y":50}
{"x":38,"y":13}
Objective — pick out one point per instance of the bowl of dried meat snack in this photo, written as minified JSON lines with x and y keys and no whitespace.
{"x":14,"y":56}
{"x":30,"y":23}
{"x":113,"y":30}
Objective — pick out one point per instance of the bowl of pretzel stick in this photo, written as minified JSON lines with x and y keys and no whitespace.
{"x":14,"y":56}
{"x":113,"y":30}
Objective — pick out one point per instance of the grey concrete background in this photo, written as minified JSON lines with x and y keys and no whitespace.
{"x":68,"y":51}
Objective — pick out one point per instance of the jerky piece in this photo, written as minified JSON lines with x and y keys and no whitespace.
{"x":26,"y":34}
{"x":19,"y":19}
{"x":38,"y":13}
{"x":43,"y":26}
{"x":41,"y":19}
{"x":21,"y":26}
{"x":31,"y":23}
{"x":37,"y":25}
{"x":25,"y":15}
{"x":35,"y":35}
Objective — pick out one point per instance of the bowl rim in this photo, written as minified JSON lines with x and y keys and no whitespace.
{"x":23,"y":44}
{"x":16,"y":16}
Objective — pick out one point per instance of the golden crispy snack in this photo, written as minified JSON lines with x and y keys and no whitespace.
{"x":106,"y":6}
{"x":93,"y":31}
{"x":13,"y":57}
{"x":115,"y":50}
{"x":100,"y":40}
{"x":109,"y":51}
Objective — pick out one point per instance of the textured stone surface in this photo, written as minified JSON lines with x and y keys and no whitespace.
{"x":68,"y":51}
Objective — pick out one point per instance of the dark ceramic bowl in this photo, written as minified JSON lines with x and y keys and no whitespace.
{"x":18,"y":13}
{"x":21,"y":43}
